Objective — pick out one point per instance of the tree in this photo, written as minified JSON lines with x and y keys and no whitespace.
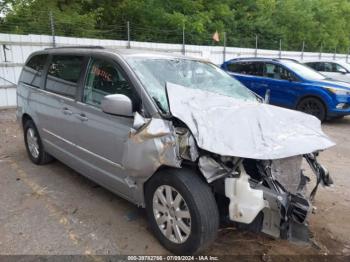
{"x":293,"y":21}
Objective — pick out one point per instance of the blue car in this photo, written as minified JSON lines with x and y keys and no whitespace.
{"x":292,"y":85}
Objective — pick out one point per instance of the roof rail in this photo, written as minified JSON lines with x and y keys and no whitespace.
{"x":264,"y":58}
{"x":77,"y":46}
{"x":245,"y":58}
{"x":251,"y":58}
{"x":288,"y":59}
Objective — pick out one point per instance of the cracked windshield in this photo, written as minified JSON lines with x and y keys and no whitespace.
{"x":154,"y":73}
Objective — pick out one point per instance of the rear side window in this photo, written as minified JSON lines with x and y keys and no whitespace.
{"x":33,"y":70}
{"x":234,"y":67}
{"x":316,"y":66}
{"x":328,"y":67}
{"x":247,"y":68}
{"x":63,"y":74}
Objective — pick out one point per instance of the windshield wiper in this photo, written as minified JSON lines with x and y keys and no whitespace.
{"x":159,"y":104}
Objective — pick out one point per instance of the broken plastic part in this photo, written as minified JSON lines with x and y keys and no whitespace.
{"x":322,"y":174}
{"x":299,"y":208}
{"x":139,"y":121}
{"x":232,"y":127}
{"x":245,"y":202}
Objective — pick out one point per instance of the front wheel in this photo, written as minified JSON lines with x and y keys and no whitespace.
{"x":313,"y":106}
{"x":182,"y":210}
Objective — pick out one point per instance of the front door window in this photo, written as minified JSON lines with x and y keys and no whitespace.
{"x":103,"y":79}
{"x":277,"y":72}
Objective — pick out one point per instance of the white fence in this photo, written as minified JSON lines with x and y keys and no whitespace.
{"x":16,"y":48}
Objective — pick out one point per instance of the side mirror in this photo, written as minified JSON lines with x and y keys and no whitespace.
{"x":117,"y":105}
{"x":342,"y":70}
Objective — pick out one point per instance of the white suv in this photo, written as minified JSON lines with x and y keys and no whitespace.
{"x":337,"y":70}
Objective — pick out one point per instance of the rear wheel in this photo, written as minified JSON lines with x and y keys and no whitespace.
{"x":34,"y":145}
{"x":313,"y":106}
{"x":182,"y":210}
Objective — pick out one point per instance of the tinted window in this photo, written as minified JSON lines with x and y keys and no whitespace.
{"x":328,"y":67}
{"x":32,"y":71}
{"x":277,"y":72}
{"x":247,"y":68}
{"x":332,"y":67}
{"x":103,"y":79}
{"x":315,"y":65}
{"x":339,"y":68}
{"x":63,"y":74}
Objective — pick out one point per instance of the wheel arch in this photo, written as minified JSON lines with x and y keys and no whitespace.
{"x":321,"y":99}
{"x":26,"y":117}
{"x":187,"y":167}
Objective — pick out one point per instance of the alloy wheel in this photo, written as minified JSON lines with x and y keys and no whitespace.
{"x":172,"y":214}
{"x":313,"y":107}
{"x":32,"y":141}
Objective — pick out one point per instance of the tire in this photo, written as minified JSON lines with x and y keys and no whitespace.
{"x":199,"y":210}
{"x":34,"y":145}
{"x":313,"y":106}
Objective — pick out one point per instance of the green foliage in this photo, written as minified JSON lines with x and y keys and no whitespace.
{"x":317,"y":22}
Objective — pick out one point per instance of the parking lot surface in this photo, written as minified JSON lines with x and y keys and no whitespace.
{"x":51,"y":209}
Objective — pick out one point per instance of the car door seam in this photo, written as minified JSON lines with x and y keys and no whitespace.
{"x":84,"y":149}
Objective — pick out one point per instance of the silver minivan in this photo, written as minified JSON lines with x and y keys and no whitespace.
{"x":175,"y":135}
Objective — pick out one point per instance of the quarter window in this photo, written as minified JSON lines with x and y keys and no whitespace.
{"x":247,"y":68}
{"x":63,"y":74}
{"x":103,"y":79}
{"x":32,"y":71}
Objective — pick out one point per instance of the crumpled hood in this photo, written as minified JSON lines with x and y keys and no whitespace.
{"x":232,"y":127}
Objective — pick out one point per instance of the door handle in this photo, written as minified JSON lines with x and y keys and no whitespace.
{"x":66,"y":111}
{"x":82,"y":117}
{"x":264,"y":85}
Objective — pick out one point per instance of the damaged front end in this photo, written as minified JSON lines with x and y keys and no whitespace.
{"x":266,"y":196}
{"x":251,"y":155}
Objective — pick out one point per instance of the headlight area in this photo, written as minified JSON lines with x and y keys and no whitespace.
{"x":265,"y":196}
{"x":337,"y":91}
{"x":343,"y":106}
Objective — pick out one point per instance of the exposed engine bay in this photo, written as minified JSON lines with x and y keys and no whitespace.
{"x":267,"y":196}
